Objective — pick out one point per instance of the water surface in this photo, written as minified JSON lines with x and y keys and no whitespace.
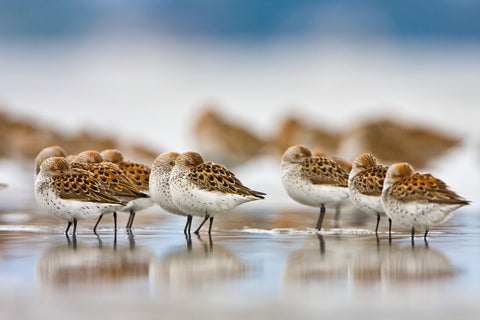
{"x":250,"y":267}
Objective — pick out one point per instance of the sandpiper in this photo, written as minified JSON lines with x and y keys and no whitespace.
{"x":72,"y":194}
{"x":206,"y":189}
{"x":313,"y":181}
{"x":139,"y":176}
{"x":365,"y":185}
{"x":111,"y":176}
{"x":160,"y":186}
{"x":416,"y":200}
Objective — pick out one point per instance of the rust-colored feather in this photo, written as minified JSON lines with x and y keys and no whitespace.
{"x":370,"y":181}
{"x":215,"y":177}
{"x":325,"y":171}
{"x":424,"y":188}
{"x":137,"y":173}
{"x":113,"y":178}
{"x":82,"y":185}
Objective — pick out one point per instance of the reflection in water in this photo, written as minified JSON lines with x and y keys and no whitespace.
{"x":364,"y":261}
{"x":89,"y":265}
{"x":419,"y":263}
{"x":200,"y":262}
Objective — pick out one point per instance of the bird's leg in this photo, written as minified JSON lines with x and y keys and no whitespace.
{"x":68,"y":227}
{"x":96,"y":224}
{"x":378,"y":222}
{"x":425,"y":236}
{"x":413,"y":235}
{"x":130,"y":220}
{"x":75,"y":227}
{"x":186,"y":231}
{"x":201,"y":224}
{"x":210,"y":227}
{"x":320,"y":218}
{"x":389,"y":230}
{"x":115,"y":222}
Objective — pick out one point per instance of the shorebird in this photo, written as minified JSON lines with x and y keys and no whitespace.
{"x":313,"y":181}
{"x":365,"y":185}
{"x":416,"y":200}
{"x":72,"y":194}
{"x":111,"y":176}
{"x":206,"y":189}
{"x":139,"y":176}
{"x":347,"y":165}
{"x":160,"y":186}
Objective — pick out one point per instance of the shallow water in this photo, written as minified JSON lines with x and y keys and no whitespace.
{"x":257,"y":264}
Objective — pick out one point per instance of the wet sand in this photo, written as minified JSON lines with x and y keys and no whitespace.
{"x":257,"y":265}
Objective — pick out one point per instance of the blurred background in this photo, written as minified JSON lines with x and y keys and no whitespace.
{"x":241,"y":81}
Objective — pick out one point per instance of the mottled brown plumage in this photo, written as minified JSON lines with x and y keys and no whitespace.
{"x":214,"y":177}
{"x":137,"y":173}
{"x":370,"y":181}
{"x":424,"y":188}
{"x":347,"y":165}
{"x":81,"y":185}
{"x":325,"y":171}
{"x":108,"y":174}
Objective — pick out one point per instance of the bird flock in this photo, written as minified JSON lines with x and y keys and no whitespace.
{"x":91,"y":184}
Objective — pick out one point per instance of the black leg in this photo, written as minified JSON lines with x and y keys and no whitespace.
{"x":130,"y":220}
{"x":390,"y":230}
{"x":378,"y":222}
{"x":320,"y":218}
{"x":210,"y":226}
{"x":188,"y":225}
{"x":74,"y":227}
{"x":336,"y":222}
{"x":96,"y":224}
{"x":115,"y":222}
{"x":425,"y":235}
{"x":201,"y":224}
{"x":413,"y":235}
{"x":68,"y":227}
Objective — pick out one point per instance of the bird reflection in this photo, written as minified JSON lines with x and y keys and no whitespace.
{"x":91,"y":265}
{"x":364,"y":260}
{"x":201,"y":262}
{"x":419,"y":263}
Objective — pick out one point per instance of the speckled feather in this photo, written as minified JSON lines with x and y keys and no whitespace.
{"x":424,"y":188}
{"x":324,"y":171}
{"x":370,"y":181}
{"x":82,"y":185}
{"x":137,"y":173}
{"x":214,"y":177}
{"x":111,"y":176}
